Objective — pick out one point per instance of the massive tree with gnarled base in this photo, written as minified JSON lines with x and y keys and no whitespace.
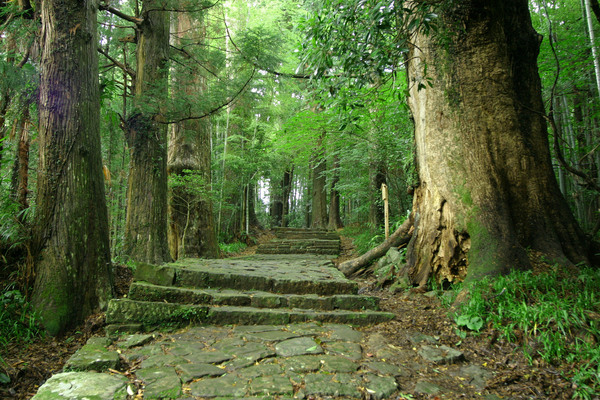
{"x":71,"y":250}
{"x":487,"y":190}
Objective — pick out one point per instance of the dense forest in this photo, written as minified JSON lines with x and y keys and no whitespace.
{"x":153,"y":130}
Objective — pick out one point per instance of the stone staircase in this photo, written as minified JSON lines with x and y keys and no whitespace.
{"x":302,"y":241}
{"x":253,"y":290}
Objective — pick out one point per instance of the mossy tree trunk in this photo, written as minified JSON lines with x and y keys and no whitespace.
{"x":146,"y":134}
{"x":191,"y":222}
{"x":487,"y":190}
{"x":72,"y":256}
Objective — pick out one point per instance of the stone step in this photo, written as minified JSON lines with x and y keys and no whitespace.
{"x":297,"y":246}
{"x":294,"y":276}
{"x":226,"y":297}
{"x":123,"y":311}
{"x":301,"y":233}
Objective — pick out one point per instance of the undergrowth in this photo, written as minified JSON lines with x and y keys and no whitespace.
{"x":231,"y":248}
{"x":364,"y":237}
{"x":553,"y":315}
{"x":18,"y":323}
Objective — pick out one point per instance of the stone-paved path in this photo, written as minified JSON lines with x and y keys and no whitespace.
{"x":286,"y":330}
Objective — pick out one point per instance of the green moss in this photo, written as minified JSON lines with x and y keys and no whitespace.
{"x":482,"y":255}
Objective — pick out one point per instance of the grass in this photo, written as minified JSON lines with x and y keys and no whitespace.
{"x":553,"y":315}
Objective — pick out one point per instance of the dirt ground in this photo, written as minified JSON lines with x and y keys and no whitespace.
{"x":30,"y":365}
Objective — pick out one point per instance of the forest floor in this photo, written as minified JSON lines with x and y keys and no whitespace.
{"x":514,"y":377}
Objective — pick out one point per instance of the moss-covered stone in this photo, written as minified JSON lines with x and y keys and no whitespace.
{"x":83,"y":386}
{"x":158,"y":275}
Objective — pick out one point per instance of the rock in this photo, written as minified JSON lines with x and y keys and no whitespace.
{"x":424,"y":387}
{"x":302,"y":363}
{"x":93,"y":356}
{"x":441,"y":354}
{"x":380,"y":387}
{"x":117,"y":329}
{"x":225,"y":386}
{"x":384,"y":368}
{"x":195,"y":371}
{"x":343,"y":332}
{"x":255,"y":371}
{"x":271,"y":336}
{"x":269,"y":385}
{"x":332,"y":363}
{"x":130,"y":341}
{"x":160,"y":383}
{"x":475,"y":375}
{"x":418,"y":337}
{"x":332,"y":385}
{"x":83,"y":386}
{"x":297,"y":346}
{"x":157,"y":275}
{"x":349,"y":350}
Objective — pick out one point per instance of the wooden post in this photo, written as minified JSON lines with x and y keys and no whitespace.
{"x":386,"y":209}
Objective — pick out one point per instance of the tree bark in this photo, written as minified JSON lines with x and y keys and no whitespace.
{"x":72,"y":259}
{"x":487,"y":190}
{"x":146,"y":224}
{"x":319,"y":218}
{"x":335,"y":220}
{"x":398,"y":238}
{"x":191,"y":221}
{"x":288,"y":175}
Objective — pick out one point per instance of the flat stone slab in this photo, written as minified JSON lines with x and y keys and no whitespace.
{"x":297,"y":347}
{"x":160,"y":383}
{"x":441,"y":354}
{"x":380,"y":387}
{"x":83,"y":386}
{"x":93,"y":356}
{"x":192,"y":371}
{"x":292,"y":276}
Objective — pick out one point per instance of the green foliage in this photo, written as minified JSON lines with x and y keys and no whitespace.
{"x":556,"y":315}
{"x":364,"y":236}
{"x":18,"y":321}
{"x":231,"y":248}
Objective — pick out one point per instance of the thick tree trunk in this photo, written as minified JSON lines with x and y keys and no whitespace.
{"x":487,"y":190}
{"x":146,"y":225}
{"x":191,"y":221}
{"x":72,"y":259}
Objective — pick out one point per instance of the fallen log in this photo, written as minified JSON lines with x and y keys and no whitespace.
{"x":401,"y":236}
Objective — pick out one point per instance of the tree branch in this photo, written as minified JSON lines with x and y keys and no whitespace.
{"x":216,"y":109}
{"x":120,"y":14}
{"x":124,"y":67}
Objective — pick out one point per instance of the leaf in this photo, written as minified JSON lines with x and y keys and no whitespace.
{"x":312,"y":348}
{"x":475,"y":324}
{"x":4,"y":379}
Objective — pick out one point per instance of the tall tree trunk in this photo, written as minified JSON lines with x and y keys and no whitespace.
{"x":376,"y":179}
{"x":288,"y":176}
{"x":335,"y":221}
{"x":20,"y":174}
{"x":73,"y":268}
{"x":487,"y":190}
{"x":319,"y":218}
{"x":146,"y":225}
{"x":191,"y":222}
